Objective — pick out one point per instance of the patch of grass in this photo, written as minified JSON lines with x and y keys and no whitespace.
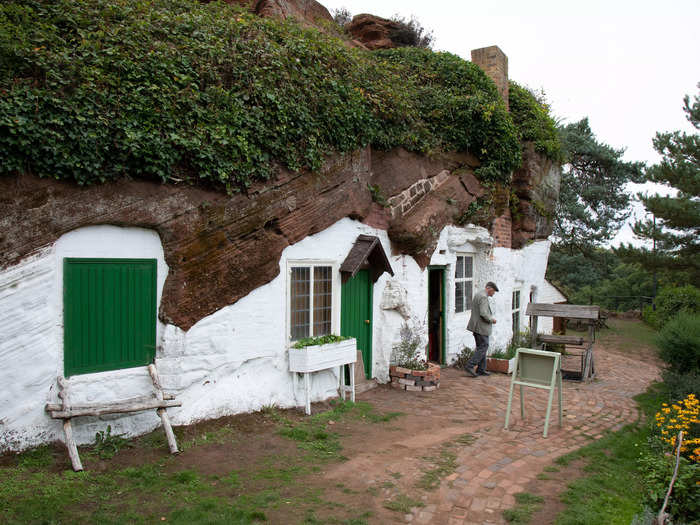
{"x":313,"y":434}
{"x":220,"y":436}
{"x":40,"y":457}
{"x":443,"y":464}
{"x":526,"y":505}
{"x":396,"y":475}
{"x":402,"y":503}
{"x":611,"y":492}
{"x":543,"y":476}
{"x":632,"y":336}
{"x":465,"y":439}
{"x":551,"y":468}
{"x":107,"y":445}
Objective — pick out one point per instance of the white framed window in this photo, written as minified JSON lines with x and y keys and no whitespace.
{"x":516,"y":312}
{"x":464,"y":283}
{"x":310,"y":307}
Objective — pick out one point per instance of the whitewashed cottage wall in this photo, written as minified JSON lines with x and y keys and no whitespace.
{"x":234,"y":360}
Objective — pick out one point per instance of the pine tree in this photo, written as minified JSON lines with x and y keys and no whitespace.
{"x":593,"y":205}
{"x":675,"y":229}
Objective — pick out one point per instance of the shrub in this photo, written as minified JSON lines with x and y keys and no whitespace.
{"x":679,"y":343}
{"x":342,"y":16}
{"x":531,"y":116}
{"x":657,"y":461}
{"x":673,"y":300}
{"x":463,"y":358}
{"x":657,"y":469}
{"x":406,"y":353}
{"x":679,"y":384}
{"x":410,"y":33}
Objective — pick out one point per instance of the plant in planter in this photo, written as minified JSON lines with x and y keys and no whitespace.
{"x":409,"y":370}
{"x":501,"y":360}
{"x":319,"y":353}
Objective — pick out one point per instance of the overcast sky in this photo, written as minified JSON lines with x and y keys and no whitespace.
{"x":624,"y":64}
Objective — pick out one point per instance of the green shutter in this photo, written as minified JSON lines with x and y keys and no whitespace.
{"x":109,"y":314}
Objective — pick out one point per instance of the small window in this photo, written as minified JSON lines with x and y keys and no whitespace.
{"x":310,"y":301}
{"x":516,"y":313}
{"x":464,"y":280}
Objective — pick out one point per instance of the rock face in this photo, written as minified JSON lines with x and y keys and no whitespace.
{"x":218,"y":247}
{"x":536,"y":186}
{"x":306,"y":11}
{"x":373,"y":31}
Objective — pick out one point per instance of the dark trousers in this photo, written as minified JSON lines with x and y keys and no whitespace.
{"x":478,"y":358}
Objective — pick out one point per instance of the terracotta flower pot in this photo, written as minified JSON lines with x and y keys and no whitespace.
{"x":505,"y":366}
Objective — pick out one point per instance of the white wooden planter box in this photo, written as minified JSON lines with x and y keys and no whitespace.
{"x":322,"y":357}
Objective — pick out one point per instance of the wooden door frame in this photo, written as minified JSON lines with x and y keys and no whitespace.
{"x":443,"y":335}
{"x":370,"y":304}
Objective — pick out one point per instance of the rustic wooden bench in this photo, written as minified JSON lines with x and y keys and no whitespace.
{"x":66,"y":411}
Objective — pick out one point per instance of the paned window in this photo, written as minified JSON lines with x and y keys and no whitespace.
{"x":464,"y":281}
{"x":516,"y":313}
{"x":310,"y":301}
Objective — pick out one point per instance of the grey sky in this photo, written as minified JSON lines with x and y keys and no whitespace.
{"x":624,"y":64}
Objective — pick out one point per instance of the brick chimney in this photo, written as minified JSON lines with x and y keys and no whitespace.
{"x":494,"y":62}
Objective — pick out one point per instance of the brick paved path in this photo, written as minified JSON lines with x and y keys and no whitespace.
{"x":498,"y":463}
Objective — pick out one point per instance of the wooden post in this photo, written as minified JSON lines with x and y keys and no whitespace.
{"x":352,"y":382}
{"x":67,"y":429}
{"x":533,"y":333}
{"x":169,"y":434}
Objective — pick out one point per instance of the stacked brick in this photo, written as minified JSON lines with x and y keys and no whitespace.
{"x":402,"y":203}
{"x":415,"y":380}
{"x":502,"y":230}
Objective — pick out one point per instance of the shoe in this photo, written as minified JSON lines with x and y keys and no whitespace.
{"x":470,"y":372}
{"x":483,"y":373}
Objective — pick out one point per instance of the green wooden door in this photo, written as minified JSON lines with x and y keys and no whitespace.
{"x":356,"y":315}
{"x":109,"y":314}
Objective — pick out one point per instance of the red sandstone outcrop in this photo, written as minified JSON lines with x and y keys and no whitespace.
{"x":536,"y":187}
{"x":218,"y":247}
{"x":373,"y":31}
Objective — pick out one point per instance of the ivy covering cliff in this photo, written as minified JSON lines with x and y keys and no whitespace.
{"x":176,"y":90}
{"x":531,"y":117}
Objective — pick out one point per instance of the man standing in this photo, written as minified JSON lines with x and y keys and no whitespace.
{"x":480,"y":324}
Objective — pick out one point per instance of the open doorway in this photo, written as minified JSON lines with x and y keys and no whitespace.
{"x":436,"y":314}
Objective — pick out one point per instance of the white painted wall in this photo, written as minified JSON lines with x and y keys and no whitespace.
{"x":31,"y":337}
{"x":234,"y":360}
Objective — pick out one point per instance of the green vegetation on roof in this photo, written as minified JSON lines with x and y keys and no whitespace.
{"x":531,"y":117}
{"x":180,"y":91}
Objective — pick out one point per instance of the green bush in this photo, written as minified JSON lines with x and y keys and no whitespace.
{"x":207,"y":93}
{"x":657,"y":469}
{"x":463,"y":358}
{"x":679,"y":343}
{"x":531,"y":117}
{"x":680,"y":384}
{"x":673,"y":300}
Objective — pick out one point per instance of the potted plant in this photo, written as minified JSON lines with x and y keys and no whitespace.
{"x":501,"y":361}
{"x":319,"y":353}
{"x":504,"y":360}
{"x":409,"y":370}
